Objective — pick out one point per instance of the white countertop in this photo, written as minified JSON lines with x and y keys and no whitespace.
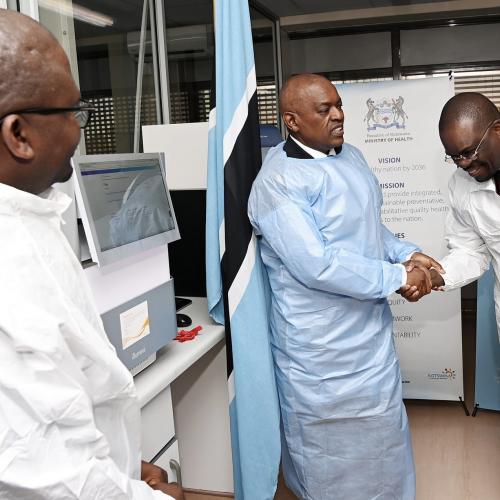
{"x":177,"y":357}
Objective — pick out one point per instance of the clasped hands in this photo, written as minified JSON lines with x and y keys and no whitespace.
{"x":423,"y":275}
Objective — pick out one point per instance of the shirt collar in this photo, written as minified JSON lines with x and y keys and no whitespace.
{"x":50,"y":202}
{"x":488,"y":185}
{"x":313,"y":152}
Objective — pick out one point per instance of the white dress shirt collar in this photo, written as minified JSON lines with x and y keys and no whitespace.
{"x":313,"y":152}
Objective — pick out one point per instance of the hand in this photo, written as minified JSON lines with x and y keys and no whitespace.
{"x":427,"y":262}
{"x":157,"y":478}
{"x":152,"y":474}
{"x":437,"y":280}
{"x":418,"y":281}
{"x":172,"y":489}
{"x":410,"y":293}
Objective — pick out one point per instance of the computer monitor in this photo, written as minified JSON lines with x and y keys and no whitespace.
{"x":124,"y":203}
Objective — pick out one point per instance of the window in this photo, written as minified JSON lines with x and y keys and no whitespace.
{"x":104,"y":52}
{"x":485,"y":82}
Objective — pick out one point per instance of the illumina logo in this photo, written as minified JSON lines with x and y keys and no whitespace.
{"x":446,"y":374}
{"x":385,"y":113}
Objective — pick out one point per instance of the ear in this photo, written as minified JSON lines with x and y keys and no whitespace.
{"x":290,"y":120}
{"x":16,"y":136}
{"x":496,"y":128}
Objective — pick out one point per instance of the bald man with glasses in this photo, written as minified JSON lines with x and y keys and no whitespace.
{"x":69,"y":416}
{"x":469,"y":128}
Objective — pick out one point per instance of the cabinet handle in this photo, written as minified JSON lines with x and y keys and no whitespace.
{"x":175,"y":467}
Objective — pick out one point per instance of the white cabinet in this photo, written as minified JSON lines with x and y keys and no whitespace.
{"x":201,"y":411}
{"x":191,"y":377}
{"x":169,"y":461}
{"x":157,"y":424}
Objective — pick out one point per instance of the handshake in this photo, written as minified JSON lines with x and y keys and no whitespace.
{"x":423,"y":275}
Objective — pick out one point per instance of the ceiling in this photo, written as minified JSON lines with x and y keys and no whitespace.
{"x":284,"y":8}
{"x":127,"y":13}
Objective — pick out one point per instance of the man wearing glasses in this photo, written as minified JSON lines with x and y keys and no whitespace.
{"x":470,"y":132}
{"x":69,"y":418}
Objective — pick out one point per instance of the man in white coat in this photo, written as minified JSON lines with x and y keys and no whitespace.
{"x":69,"y":418}
{"x":469,"y":128}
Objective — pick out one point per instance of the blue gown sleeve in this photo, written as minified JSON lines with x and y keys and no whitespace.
{"x":291,"y":232}
{"x":395,"y":249}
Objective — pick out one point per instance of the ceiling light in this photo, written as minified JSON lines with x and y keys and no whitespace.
{"x":78,"y":12}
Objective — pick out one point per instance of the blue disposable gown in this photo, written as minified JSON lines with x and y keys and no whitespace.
{"x":331,"y":265}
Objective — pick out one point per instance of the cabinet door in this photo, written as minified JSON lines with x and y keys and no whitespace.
{"x":157,"y":424}
{"x":169,"y":460}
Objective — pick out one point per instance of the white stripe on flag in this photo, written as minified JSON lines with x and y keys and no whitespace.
{"x":240,"y":116}
{"x":222,"y":238}
{"x":242,"y":278}
{"x":230,"y":387}
{"x":212,"y":119}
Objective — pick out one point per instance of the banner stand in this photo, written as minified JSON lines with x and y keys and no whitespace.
{"x":399,"y":138}
{"x":464,"y":406}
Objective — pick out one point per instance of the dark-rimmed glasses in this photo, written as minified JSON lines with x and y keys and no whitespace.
{"x":470,"y":157}
{"x":83,"y":111}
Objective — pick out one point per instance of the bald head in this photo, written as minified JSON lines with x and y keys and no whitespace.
{"x":312,"y":111}
{"x":35,"y":148}
{"x":297,"y":88}
{"x":469,"y":107}
{"x":31,"y":61}
{"x":469,"y":129}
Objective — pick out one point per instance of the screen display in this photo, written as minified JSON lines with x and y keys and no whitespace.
{"x":127,"y":200}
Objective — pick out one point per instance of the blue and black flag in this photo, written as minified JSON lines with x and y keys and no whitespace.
{"x":237,"y":287}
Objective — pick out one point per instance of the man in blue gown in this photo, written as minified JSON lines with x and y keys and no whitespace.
{"x":316,"y":207}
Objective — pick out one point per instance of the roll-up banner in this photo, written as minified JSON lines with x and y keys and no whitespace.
{"x":395,"y":124}
{"x":488,"y":346}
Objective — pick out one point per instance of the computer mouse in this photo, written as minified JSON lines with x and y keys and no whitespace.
{"x":183,"y":320}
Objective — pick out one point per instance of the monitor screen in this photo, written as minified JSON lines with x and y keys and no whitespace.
{"x":124,"y":203}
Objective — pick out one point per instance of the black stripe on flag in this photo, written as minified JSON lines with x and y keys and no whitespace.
{"x":240,"y":171}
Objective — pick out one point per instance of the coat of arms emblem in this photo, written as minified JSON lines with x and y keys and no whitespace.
{"x":385,"y":113}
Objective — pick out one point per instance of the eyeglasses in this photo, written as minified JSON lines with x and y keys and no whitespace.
{"x":83,"y":111}
{"x":470,"y":157}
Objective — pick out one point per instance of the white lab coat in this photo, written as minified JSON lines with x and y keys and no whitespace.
{"x":472,"y":233}
{"x":69,"y":419}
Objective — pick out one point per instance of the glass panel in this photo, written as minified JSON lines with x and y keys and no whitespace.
{"x":263,"y":46}
{"x":451,"y":44}
{"x":104,"y":38}
{"x":329,"y":54}
{"x":190,"y":47}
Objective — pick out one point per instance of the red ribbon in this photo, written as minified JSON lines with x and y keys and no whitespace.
{"x":184,"y":335}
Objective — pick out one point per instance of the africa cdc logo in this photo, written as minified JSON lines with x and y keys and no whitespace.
{"x":385,"y":113}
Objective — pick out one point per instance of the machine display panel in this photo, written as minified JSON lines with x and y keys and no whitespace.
{"x":124,"y":203}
